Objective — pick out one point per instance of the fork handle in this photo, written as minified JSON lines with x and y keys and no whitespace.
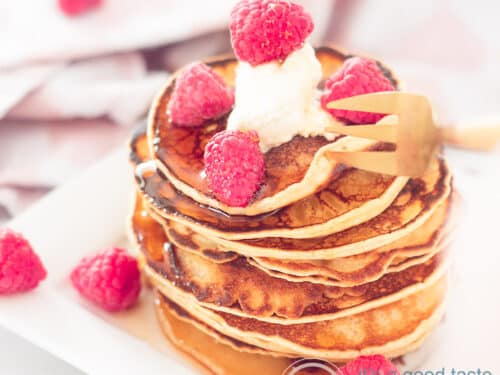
{"x":479,"y":138}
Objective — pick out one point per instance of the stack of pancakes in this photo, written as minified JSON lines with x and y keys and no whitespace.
{"x":326,"y":261}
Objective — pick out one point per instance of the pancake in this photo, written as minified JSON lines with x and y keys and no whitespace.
{"x":364,"y":273}
{"x":419,"y":247}
{"x":413,"y":207}
{"x":243,"y":289}
{"x":412,"y":249}
{"x":326,"y":261}
{"x":350,"y":199}
{"x":414,"y":204}
{"x":295,"y":303}
{"x":342,"y":271}
{"x":391,"y":329}
{"x":216,"y":352}
{"x":294,"y":170}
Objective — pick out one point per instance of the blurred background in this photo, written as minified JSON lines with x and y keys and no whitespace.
{"x":73,"y":86}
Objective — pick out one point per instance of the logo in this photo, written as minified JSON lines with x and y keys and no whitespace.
{"x":302,"y":366}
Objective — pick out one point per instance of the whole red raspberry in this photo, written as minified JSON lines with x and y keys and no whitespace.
{"x":199,"y":95}
{"x":234,"y":166}
{"x":267,"y":30}
{"x":77,"y":7}
{"x":110,"y":279}
{"x":20,"y":267}
{"x":356,"y":77}
{"x":369,"y":365}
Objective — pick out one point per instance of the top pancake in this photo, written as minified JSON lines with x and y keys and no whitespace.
{"x":355,"y":196}
{"x":414,"y":204}
{"x":294,"y":170}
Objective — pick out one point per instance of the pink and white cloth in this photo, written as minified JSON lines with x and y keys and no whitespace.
{"x":71,"y":88}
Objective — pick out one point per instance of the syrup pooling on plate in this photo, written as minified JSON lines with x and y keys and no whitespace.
{"x":213,"y":351}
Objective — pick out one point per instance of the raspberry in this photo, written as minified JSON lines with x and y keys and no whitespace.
{"x":199,"y":95}
{"x":20,"y":267}
{"x":369,"y":365}
{"x":234,"y":166}
{"x":267,"y":30}
{"x":356,"y":77}
{"x":110,"y":279}
{"x":76,"y":7}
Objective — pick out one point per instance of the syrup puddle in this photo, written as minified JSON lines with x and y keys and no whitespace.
{"x":177,"y":338}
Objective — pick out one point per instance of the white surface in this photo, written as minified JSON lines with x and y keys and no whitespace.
{"x":472,"y":321}
{"x":89,"y":213}
{"x":19,"y":357}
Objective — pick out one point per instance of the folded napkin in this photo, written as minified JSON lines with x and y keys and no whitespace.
{"x":117,"y":86}
{"x":35,"y":157}
{"x":15,"y":83}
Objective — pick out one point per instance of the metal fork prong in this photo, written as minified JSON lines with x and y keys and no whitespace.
{"x":380,"y":132}
{"x":386,"y":102}
{"x":384,"y":162}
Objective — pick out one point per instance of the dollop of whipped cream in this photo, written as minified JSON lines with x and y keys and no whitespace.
{"x":280,"y":100}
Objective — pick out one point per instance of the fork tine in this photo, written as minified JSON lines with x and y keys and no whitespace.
{"x":384,"y":162}
{"x":380,"y":132}
{"x":378,"y":102}
{"x":416,"y":136}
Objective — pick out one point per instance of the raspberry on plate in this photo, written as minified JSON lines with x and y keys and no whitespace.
{"x":267,"y":30}
{"x":357,"y":76}
{"x":234,"y":166}
{"x":20,"y":267}
{"x":110,"y":279}
{"x":77,"y":7}
{"x":199,"y":95}
{"x":370,"y":365}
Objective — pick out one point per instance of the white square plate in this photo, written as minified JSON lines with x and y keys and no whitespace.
{"x":90,"y":213}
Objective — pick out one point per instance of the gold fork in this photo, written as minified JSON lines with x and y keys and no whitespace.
{"x":412,"y":129}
